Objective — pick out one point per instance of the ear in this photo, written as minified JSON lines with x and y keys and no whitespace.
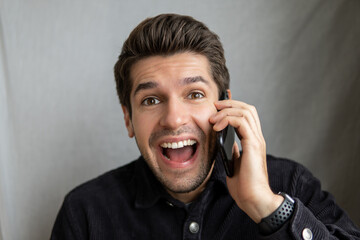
{"x":128,"y":122}
{"x":229,"y":93}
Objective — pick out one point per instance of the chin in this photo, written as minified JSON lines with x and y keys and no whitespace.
{"x":182,"y":180}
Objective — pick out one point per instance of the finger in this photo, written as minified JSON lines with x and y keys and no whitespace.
{"x":227,"y":112}
{"x":256,"y":117}
{"x":241,"y":125}
{"x":220,"y":105}
{"x":238,"y":104}
{"x":229,"y":104}
{"x":236,"y":112}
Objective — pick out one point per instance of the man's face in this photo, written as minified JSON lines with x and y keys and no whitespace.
{"x":172,"y":99}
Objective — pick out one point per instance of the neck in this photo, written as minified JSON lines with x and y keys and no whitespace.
{"x":193,"y":195}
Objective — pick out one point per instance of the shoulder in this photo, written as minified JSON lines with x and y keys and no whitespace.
{"x":115,"y":183}
{"x":95,"y":202}
{"x":278,"y":165}
{"x":285,"y":174}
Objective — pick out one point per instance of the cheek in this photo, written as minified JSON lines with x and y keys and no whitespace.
{"x":142,"y":128}
{"x":201,"y":117}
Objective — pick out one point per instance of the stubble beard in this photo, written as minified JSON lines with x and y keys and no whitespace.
{"x":181,"y":181}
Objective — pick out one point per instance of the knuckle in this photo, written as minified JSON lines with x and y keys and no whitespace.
{"x":253,"y":108}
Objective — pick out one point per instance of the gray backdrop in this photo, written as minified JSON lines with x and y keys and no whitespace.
{"x":298,"y":62}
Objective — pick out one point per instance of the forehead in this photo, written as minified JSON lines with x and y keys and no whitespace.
{"x":170,"y":69}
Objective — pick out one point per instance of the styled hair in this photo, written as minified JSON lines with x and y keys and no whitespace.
{"x":165,"y":35}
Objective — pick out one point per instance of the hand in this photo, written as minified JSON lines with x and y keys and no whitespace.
{"x":249,"y":186}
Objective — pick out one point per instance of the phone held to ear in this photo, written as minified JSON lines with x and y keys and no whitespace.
{"x":225,"y":141}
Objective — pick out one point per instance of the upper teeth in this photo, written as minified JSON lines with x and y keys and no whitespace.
{"x":180,"y":144}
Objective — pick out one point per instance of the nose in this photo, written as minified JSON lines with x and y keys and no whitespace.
{"x":175,"y":114}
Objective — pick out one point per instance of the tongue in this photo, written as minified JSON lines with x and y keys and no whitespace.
{"x":180,"y":154}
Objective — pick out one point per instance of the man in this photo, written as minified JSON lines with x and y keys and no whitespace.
{"x":170,"y":76}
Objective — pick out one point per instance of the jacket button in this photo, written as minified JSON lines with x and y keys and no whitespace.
{"x":169,"y":203}
{"x":194,"y":227}
{"x":307,"y":234}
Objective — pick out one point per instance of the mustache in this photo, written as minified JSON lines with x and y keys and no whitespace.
{"x":184,"y":129}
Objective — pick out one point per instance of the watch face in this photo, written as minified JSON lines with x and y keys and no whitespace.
{"x":287,"y":197}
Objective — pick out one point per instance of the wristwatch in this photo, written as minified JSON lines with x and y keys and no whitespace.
{"x":275,"y":220}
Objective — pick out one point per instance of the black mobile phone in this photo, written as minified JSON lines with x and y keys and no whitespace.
{"x":225,"y":141}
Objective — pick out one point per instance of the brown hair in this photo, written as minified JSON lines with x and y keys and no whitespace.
{"x":164,"y":35}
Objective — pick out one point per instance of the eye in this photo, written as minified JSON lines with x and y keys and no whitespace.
{"x":150,"y":101}
{"x":196,"y":95}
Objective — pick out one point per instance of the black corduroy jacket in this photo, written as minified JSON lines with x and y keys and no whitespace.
{"x":130,"y":203}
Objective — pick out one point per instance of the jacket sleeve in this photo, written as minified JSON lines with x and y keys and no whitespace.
{"x":316,"y":215}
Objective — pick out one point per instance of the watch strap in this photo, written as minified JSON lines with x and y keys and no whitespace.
{"x":274,"y":221}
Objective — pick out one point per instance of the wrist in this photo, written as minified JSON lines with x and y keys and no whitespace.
{"x":257,"y":210}
{"x":277,"y":219}
{"x":270,"y":207}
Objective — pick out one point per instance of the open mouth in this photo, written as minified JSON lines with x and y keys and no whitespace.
{"x":180,"y":151}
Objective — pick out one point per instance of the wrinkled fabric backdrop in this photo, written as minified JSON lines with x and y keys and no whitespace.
{"x":61,"y":124}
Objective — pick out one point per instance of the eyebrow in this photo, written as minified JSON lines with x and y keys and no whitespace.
{"x":144,"y":86}
{"x":196,"y":79}
{"x":185,"y":81}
